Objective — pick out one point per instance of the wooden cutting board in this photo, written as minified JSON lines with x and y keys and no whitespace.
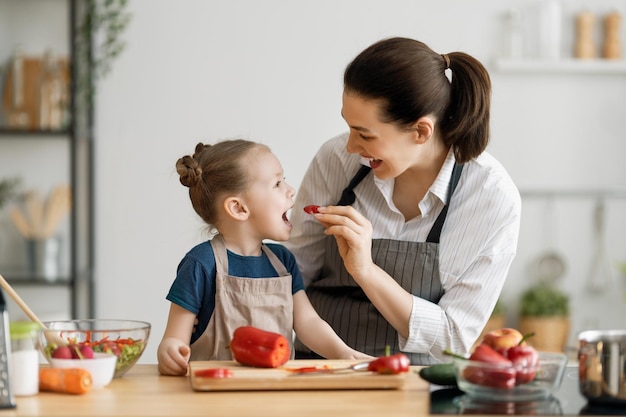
{"x":247,"y":378}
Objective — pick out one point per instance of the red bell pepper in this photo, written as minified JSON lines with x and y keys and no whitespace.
{"x":525,"y":359}
{"x":390,"y":364}
{"x":256,"y":347}
{"x":502,"y":375}
{"x":214,"y":373}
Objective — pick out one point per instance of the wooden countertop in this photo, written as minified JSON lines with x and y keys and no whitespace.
{"x":143,"y":392}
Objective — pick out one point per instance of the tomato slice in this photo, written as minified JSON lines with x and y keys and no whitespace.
{"x":214,"y":373}
{"x":312,"y":209}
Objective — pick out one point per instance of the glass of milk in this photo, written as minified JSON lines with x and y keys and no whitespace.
{"x":24,"y":358}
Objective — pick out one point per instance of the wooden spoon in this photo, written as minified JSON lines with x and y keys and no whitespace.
{"x":57,"y":207}
{"x":51,"y":336}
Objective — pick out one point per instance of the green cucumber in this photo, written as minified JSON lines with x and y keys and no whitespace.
{"x":440,"y":374}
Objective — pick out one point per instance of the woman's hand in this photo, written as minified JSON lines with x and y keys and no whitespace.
{"x":353,"y":233}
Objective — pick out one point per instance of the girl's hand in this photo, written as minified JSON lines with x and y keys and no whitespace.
{"x":353,"y":234}
{"x":173,"y":356}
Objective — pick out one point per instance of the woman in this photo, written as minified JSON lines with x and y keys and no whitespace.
{"x":415,"y":253}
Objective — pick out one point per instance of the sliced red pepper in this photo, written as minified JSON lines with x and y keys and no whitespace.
{"x":256,"y":347}
{"x":310,"y":369}
{"x":394,"y":364}
{"x":214,"y":373}
{"x":312,"y":209}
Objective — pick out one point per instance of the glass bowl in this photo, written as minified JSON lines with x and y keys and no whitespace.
{"x":126,"y":339}
{"x":485,"y":382}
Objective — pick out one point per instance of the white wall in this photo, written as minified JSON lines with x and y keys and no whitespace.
{"x":271,"y":71}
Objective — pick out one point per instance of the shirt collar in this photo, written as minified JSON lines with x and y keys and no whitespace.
{"x":437,"y":191}
{"x":442,"y":182}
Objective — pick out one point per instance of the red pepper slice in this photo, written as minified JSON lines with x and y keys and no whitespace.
{"x":394,"y":364}
{"x":256,"y":347}
{"x":312,"y":209}
{"x":214,"y":373}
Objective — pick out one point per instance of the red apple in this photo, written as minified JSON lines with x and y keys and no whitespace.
{"x":503,"y":339}
{"x":498,"y":375}
{"x":525,"y":360}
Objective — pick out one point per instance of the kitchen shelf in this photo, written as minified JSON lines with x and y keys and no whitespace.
{"x":6,"y":133}
{"x":591,"y":193}
{"x":72,"y":154}
{"x":563,"y":66}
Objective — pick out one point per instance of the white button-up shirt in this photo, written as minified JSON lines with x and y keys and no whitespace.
{"x":477,"y":245}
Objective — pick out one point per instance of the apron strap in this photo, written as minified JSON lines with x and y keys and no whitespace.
{"x":347,"y":195}
{"x":219,"y":253}
{"x":280,"y":268}
{"x":435,"y":232}
{"x":221,"y":258}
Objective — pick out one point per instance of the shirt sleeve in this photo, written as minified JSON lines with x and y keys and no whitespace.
{"x":472,"y":287}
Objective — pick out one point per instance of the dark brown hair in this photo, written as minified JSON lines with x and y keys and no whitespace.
{"x":212,"y":172}
{"x":410,"y":79}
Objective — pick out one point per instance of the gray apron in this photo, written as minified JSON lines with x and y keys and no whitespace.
{"x":342,"y":303}
{"x":266,"y":303}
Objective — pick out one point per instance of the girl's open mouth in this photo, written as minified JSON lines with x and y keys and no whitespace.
{"x":286,"y":219}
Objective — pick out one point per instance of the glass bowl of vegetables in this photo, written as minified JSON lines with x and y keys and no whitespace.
{"x":126,"y":339}
{"x":498,"y":382}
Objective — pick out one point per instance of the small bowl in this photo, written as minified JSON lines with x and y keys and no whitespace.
{"x":126,"y":339}
{"x":548,"y":378}
{"x":101,"y":367}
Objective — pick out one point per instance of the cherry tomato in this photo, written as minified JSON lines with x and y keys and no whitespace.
{"x":214,"y":373}
{"x":312,"y":209}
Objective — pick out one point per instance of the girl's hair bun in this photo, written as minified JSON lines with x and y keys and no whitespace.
{"x":188,"y":167}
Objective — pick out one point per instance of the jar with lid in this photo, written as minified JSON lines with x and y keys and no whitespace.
{"x":24,"y":358}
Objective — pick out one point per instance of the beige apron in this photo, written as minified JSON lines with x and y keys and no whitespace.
{"x":266,"y":303}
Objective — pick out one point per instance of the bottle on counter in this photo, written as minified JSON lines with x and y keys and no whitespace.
{"x":53,"y":100}
{"x":612,"y":48}
{"x":550,"y":29}
{"x":24,"y":358}
{"x":585,"y":47}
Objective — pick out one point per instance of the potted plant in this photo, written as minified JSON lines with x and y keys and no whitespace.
{"x":544,"y":311}
{"x":8,"y":190}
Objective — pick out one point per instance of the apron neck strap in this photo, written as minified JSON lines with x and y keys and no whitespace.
{"x":347,"y":196}
{"x":435,"y":232}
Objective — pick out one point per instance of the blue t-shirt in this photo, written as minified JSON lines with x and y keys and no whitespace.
{"x":194,"y":286}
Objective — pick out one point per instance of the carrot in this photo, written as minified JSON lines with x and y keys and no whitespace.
{"x":65,"y":380}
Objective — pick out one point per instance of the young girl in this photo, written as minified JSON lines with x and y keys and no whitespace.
{"x":234,"y":279}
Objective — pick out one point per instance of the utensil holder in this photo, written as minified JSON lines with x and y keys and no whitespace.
{"x":44,"y":257}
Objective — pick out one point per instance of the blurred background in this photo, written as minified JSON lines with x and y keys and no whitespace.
{"x":271,"y":71}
